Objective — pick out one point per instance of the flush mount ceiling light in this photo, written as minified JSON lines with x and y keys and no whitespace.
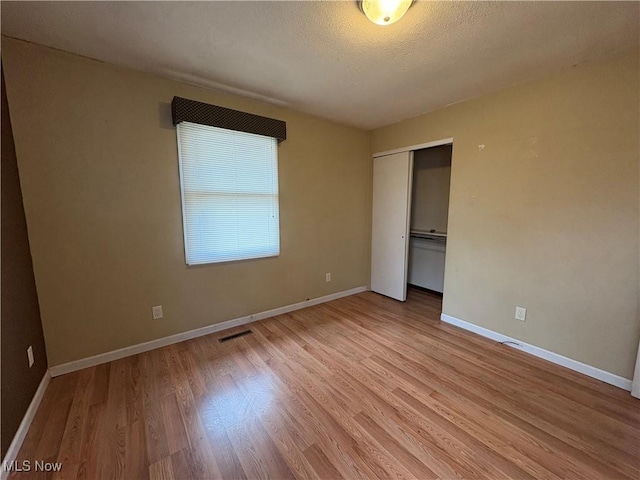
{"x":384,"y":12}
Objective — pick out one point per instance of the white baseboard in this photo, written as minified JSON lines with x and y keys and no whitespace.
{"x":583,"y":368}
{"x":21,"y":433}
{"x":199,"y":332}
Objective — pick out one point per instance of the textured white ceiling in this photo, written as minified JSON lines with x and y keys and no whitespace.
{"x":326,"y":58}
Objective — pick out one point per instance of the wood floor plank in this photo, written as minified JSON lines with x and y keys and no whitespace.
{"x":201,"y":452}
{"x":92,"y":446}
{"x":508,"y":410}
{"x":259,"y":456}
{"x":76,"y":425}
{"x":181,"y":465}
{"x":332,"y":435}
{"x":100,"y":392}
{"x":534,"y":397}
{"x":136,"y":463}
{"x":395,"y":449}
{"x":445,"y":454}
{"x":114,"y":428}
{"x":362,"y":387}
{"x":225,"y":455}
{"x":162,"y":470}
{"x":320,"y":463}
{"x":441,"y":372}
{"x":279,"y":432}
{"x":51,"y":433}
{"x":174,"y":425}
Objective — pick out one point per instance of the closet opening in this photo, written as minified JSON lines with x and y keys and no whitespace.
{"x":429,"y":214}
{"x":410,"y":213}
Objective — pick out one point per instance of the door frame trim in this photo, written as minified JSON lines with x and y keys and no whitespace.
{"x":435,"y":143}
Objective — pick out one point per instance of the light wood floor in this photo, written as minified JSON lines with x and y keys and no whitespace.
{"x":362,"y":387}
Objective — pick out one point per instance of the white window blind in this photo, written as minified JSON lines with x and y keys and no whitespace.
{"x":229,"y":183}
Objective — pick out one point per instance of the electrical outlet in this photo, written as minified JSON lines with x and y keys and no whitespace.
{"x":521,"y":313}
{"x":157,"y":312}
{"x":30,"y":355}
{"x":327,"y":277}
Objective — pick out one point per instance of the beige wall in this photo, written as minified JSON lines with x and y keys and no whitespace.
{"x":98,"y":161}
{"x":546,"y":215}
{"x":430,"y":189}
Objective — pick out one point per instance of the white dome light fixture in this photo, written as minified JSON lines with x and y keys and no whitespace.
{"x":384,"y":12}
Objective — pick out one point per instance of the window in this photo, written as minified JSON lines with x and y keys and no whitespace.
{"x":229,"y":184}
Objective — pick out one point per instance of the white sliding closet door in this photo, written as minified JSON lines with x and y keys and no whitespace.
{"x":635,"y":386}
{"x":390,"y":224}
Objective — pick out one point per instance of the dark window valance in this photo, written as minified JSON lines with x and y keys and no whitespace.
{"x":185,"y":110}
